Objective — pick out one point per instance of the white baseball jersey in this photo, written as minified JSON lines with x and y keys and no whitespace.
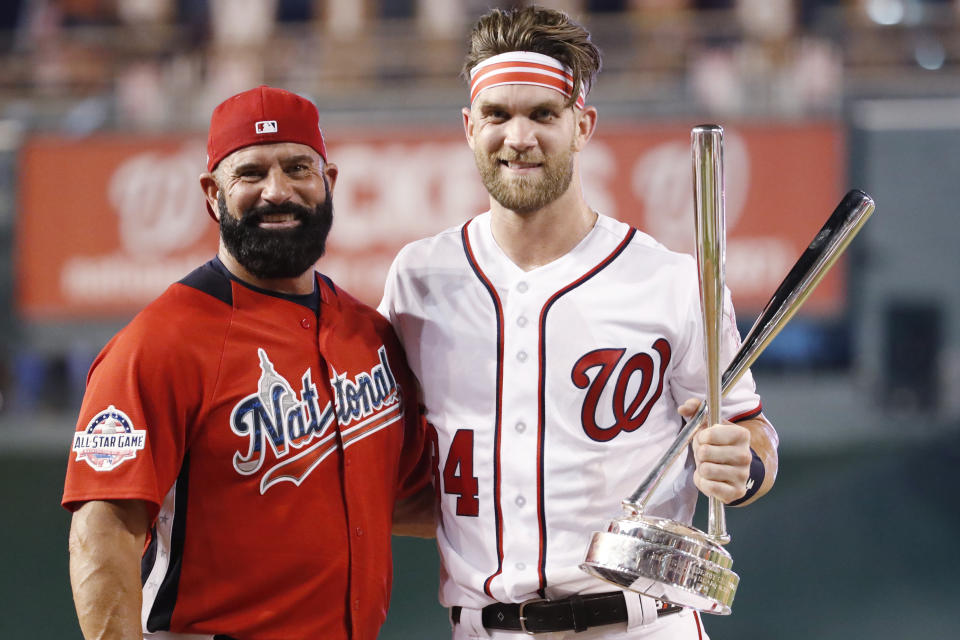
{"x":553,"y":393}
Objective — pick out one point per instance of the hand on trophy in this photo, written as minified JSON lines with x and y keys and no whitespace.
{"x":722,"y":454}
{"x":735,"y":462}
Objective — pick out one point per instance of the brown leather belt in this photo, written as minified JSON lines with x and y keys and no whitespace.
{"x":575,"y":613}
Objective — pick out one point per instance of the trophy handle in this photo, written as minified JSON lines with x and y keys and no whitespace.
{"x":709,"y":218}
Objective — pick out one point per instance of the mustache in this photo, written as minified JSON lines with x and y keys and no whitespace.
{"x":519,"y":156}
{"x":255,"y":216}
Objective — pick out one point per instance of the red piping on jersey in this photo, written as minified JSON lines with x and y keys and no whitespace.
{"x":541,"y":409}
{"x":498,"y":310}
{"x":747,"y":415}
{"x":696,"y":618}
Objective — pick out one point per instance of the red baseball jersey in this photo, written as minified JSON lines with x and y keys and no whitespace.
{"x":270,"y":443}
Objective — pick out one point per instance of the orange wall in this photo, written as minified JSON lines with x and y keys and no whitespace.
{"x":105,"y":223}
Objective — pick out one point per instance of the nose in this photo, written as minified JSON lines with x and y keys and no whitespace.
{"x":276,"y":187}
{"x":520,"y":134}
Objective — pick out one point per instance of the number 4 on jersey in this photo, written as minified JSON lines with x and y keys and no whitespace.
{"x":458,"y":478}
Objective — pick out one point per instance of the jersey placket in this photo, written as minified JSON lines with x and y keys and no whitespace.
{"x":520,"y":440}
{"x":325,"y":333}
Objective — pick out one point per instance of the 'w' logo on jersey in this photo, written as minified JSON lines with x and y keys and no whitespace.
{"x":298,"y":431}
{"x":630,"y":411}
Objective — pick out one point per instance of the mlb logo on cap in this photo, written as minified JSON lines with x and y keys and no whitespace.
{"x":267,"y":126}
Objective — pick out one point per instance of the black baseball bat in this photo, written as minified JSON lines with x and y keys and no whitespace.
{"x":827,"y":246}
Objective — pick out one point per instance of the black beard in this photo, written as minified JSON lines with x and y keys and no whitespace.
{"x":277,"y":253}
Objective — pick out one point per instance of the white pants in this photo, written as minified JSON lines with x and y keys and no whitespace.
{"x":642,"y":624}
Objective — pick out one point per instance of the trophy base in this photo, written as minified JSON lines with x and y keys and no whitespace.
{"x":664,"y":559}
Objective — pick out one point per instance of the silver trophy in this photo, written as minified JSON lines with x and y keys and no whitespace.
{"x":670,"y":560}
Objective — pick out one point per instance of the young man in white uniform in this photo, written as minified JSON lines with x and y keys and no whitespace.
{"x":558,"y":350}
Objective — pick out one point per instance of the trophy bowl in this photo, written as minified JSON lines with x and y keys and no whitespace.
{"x":664,"y":559}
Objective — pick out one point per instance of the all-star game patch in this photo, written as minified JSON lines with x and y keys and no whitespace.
{"x":108,"y":440}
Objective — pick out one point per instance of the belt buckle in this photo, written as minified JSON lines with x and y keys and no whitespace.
{"x":523,"y":618}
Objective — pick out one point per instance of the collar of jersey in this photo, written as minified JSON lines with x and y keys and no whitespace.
{"x":309,"y":300}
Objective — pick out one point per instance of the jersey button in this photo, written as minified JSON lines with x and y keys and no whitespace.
{"x":305,"y":323}
{"x":520,"y":566}
{"x":522,"y":287}
{"x":520,"y":501}
{"x":522,"y":321}
{"x":359,"y":532}
{"x":520,"y":427}
{"x":522,"y":356}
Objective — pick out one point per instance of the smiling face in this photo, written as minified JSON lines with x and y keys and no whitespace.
{"x":275,"y":207}
{"x":524,"y":139}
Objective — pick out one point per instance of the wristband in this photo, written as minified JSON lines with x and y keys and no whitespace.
{"x":757,"y":474}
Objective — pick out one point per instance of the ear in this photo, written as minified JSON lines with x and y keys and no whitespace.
{"x":467,"y":125}
{"x":586,"y":125}
{"x":211,"y":192}
{"x":331,"y":171}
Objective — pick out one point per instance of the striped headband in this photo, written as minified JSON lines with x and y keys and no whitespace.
{"x":523,"y":67}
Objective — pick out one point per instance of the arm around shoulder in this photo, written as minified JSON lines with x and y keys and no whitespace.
{"x":106,"y":542}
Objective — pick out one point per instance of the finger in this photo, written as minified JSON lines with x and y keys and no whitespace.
{"x":724,"y":434}
{"x":739,"y":457}
{"x":689,"y":408}
{"x":734,"y":475}
{"x":726,"y":483}
{"x":722,"y":450}
{"x":724,"y":491}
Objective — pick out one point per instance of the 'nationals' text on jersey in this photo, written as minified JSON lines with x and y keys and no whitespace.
{"x":274,"y":419}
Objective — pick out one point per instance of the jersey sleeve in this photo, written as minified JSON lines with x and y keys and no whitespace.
{"x":415,"y":469}
{"x":131,"y":434}
{"x":388,"y":303}
{"x":416,"y":460}
{"x":742,"y":401}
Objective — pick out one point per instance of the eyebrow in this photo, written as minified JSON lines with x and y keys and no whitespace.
{"x":253,"y":165}
{"x":550,"y":105}
{"x":246,"y":166}
{"x":308,"y":159}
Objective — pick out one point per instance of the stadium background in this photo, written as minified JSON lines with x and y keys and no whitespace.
{"x":103,"y":108}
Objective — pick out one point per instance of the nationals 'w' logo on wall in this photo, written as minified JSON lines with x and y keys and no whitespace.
{"x":630,"y":411}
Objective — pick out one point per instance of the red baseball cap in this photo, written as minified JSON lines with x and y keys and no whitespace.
{"x":262,"y":116}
